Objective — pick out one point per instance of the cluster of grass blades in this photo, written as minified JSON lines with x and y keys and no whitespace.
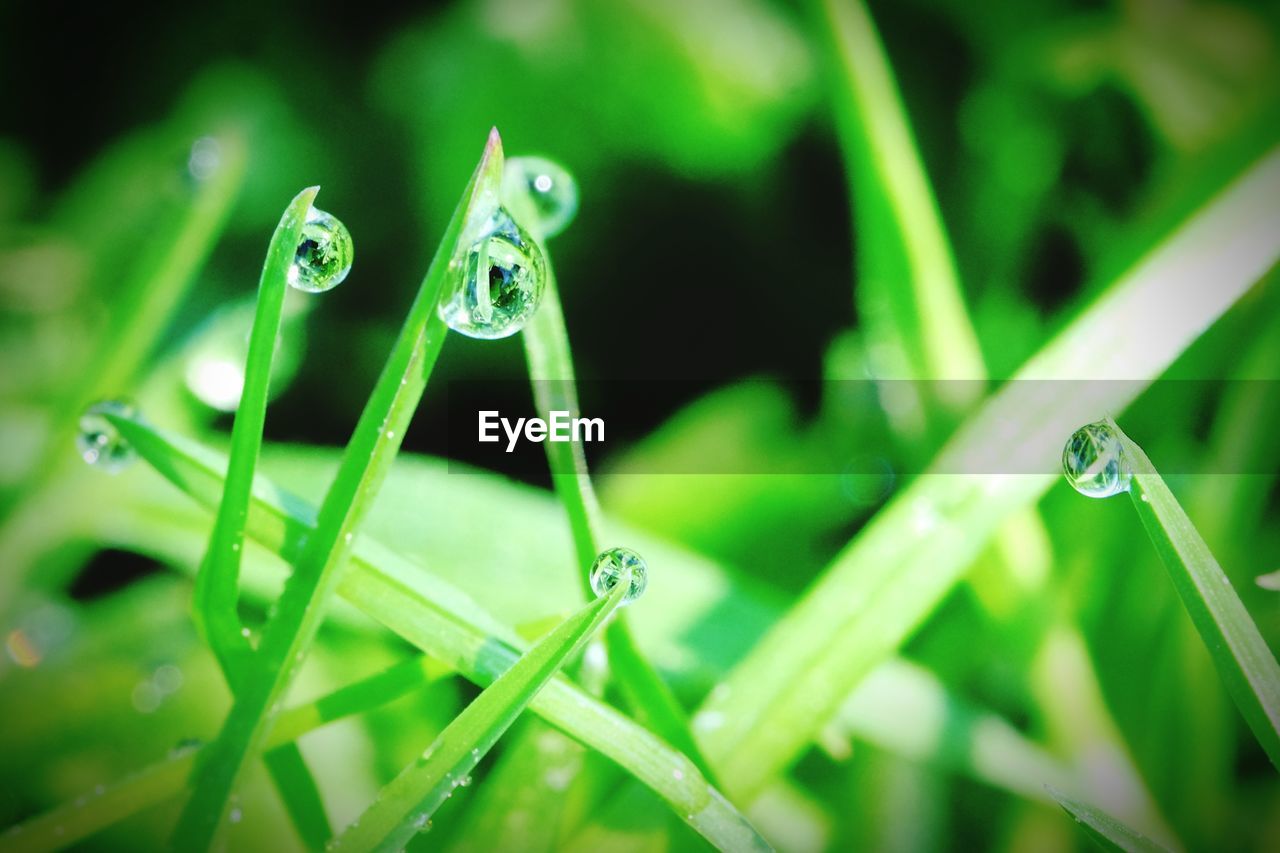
{"x":825,"y":663}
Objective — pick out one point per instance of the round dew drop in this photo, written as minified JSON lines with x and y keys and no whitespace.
{"x":1094,"y":463}
{"x":549,"y":187}
{"x":324,"y":254}
{"x":498,"y":281}
{"x":99,"y":442}
{"x":609,"y":568}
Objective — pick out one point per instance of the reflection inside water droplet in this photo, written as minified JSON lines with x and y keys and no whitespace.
{"x":99,"y":442}
{"x":324,"y":254}
{"x":1093,"y":461}
{"x":609,"y":569}
{"x":498,"y":281}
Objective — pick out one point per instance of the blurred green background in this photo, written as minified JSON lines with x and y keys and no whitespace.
{"x":714,"y":244}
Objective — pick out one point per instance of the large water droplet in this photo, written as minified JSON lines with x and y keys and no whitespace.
{"x":499,"y":281}
{"x":1094,"y":462}
{"x":324,"y":253}
{"x":609,"y":568}
{"x":549,"y":187}
{"x":99,"y":442}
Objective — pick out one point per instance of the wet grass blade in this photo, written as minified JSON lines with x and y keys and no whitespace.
{"x":404,"y":806}
{"x":96,"y":810}
{"x":445,"y":623}
{"x":550,"y":360}
{"x":217,"y":582}
{"x":1244,"y":662}
{"x":1104,"y":830}
{"x":368,"y":455}
{"x":889,"y":578}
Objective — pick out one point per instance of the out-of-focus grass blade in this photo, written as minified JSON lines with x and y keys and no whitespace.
{"x":891,"y":577}
{"x":139,"y":317}
{"x":445,"y":623}
{"x":1104,"y":830}
{"x":908,"y":291}
{"x":216,"y":590}
{"x":551,"y":371}
{"x":1245,"y":664}
{"x":405,"y":805}
{"x":368,"y":455}
{"x":75,"y":821}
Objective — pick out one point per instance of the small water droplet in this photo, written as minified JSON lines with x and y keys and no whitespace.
{"x":99,"y":442}
{"x":609,"y":568}
{"x":1094,"y":462}
{"x":677,"y":774}
{"x":498,"y":281}
{"x":549,"y":187}
{"x":464,"y":782}
{"x":235,"y":815}
{"x":244,"y":632}
{"x":205,"y":158}
{"x":324,"y":253}
{"x":185,"y":746}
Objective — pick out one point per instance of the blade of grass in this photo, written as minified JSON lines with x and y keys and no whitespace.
{"x":95,"y":811}
{"x":546,"y":341}
{"x":445,"y":623}
{"x":1104,"y":830}
{"x":368,"y":455}
{"x":890,"y":577}
{"x":404,"y":806}
{"x":217,"y":582}
{"x":1245,"y":664}
{"x":139,"y":317}
{"x":925,"y":320}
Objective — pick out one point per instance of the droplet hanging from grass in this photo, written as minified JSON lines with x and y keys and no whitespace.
{"x":612,"y":565}
{"x":1094,"y":461}
{"x":549,"y":187}
{"x":99,"y":442}
{"x":324,"y":253}
{"x":499,"y":281}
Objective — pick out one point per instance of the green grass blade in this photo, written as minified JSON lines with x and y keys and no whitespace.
{"x":300,"y":794}
{"x":139,"y":317}
{"x":217,"y":589}
{"x":368,"y":455}
{"x":884,"y":584}
{"x":550,"y":360}
{"x":95,"y":811}
{"x":926,"y":320}
{"x":1104,"y":830}
{"x":217,"y":582}
{"x":404,"y":806}
{"x":446,"y":624}
{"x":1245,"y":664}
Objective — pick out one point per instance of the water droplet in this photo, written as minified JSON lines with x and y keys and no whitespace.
{"x":235,"y":815}
{"x":205,"y":158}
{"x":1094,"y":462}
{"x":99,"y":442}
{"x":499,"y":281}
{"x":185,"y":746}
{"x":609,"y":568}
{"x":549,"y":187}
{"x":324,"y":253}
{"x":677,"y":774}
